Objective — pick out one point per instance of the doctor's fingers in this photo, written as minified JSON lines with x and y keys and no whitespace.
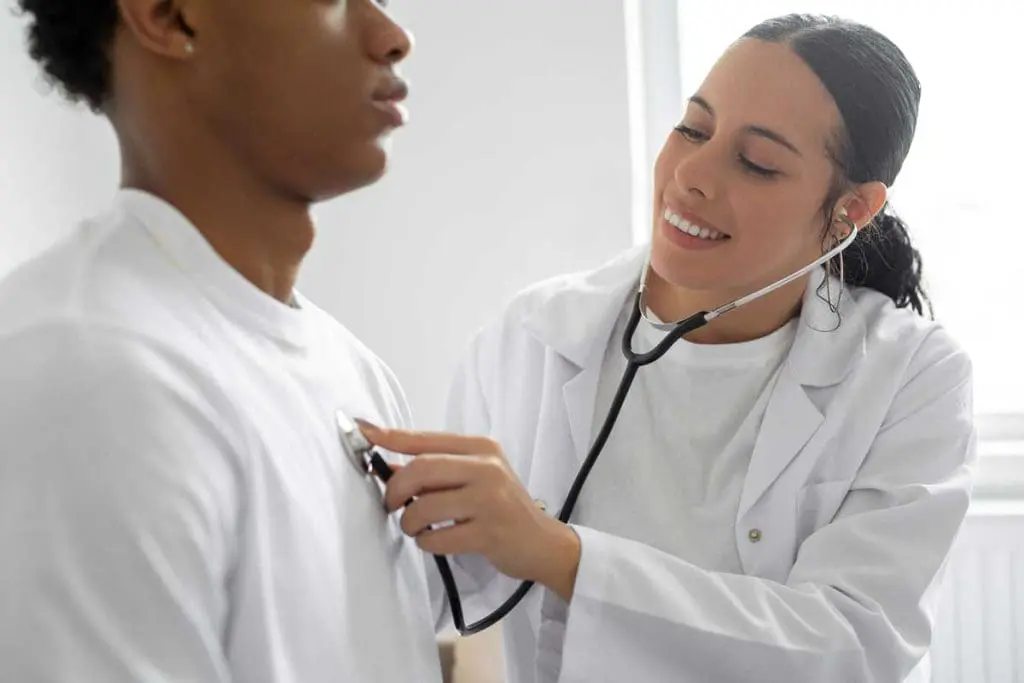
{"x":418,"y":443}
{"x":443,"y":507}
{"x":451,"y":540}
{"x":440,"y":472}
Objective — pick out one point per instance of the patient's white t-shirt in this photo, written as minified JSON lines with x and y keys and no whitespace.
{"x":175,"y":504}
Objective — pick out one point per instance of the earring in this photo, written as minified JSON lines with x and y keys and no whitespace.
{"x":190,"y":48}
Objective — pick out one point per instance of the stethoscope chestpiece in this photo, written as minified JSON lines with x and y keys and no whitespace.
{"x":358,"y":449}
{"x":356,"y":446}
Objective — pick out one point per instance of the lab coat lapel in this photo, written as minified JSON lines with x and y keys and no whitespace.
{"x":790,"y":420}
{"x":826,"y":347}
{"x":558,"y":433}
{"x":577,"y":324}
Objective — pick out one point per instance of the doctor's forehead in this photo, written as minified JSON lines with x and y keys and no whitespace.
{"x":767,"y":85}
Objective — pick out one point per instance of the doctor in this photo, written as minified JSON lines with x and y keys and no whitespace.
{"x":779,"y":498}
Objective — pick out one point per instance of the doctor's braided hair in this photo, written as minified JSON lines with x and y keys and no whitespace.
{"x":877,"y":94}
{"x":71,"y":40}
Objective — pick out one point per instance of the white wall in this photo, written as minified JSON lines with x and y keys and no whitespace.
{"x":516,"y":166}
{"x":57,"y":164}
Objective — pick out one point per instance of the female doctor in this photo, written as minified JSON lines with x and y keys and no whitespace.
{"x":780,"y":494}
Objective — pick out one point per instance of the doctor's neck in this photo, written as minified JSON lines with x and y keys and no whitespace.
{"x":757,"y":319}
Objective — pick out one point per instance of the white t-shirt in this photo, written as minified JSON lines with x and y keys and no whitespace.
{"x":175,"y":504}
{"x":672,"y":472}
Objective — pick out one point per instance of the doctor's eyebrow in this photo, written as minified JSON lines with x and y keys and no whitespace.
{"x":761,"y":131}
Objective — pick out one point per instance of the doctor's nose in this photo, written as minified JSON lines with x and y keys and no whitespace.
{"x":696,"y":174}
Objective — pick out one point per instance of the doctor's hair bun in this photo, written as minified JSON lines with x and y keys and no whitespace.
{"x":71,"y":40}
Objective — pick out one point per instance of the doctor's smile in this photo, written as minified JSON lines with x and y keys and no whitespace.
{"x":690,"y":232}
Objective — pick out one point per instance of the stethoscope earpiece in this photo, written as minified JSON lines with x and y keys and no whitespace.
{"x":852,"y":227}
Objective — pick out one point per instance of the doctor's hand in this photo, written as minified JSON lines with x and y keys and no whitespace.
{"x":466,"y":480}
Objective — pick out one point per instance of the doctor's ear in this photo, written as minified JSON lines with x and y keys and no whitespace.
{"x":860,"y":205}
{"x":165,"y":27}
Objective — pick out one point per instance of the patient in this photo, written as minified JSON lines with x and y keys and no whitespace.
{"x":174,"y":501}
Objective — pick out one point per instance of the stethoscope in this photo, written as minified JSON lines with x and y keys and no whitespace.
{"x":369,"y":460}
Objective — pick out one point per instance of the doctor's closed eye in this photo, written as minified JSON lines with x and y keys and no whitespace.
{"x":697,"y":136}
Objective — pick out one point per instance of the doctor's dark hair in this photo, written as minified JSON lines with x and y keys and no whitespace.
{"x":877,"y":94}
{"x":71,"y":41}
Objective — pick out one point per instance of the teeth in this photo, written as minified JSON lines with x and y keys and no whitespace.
{"x":690,"y":229}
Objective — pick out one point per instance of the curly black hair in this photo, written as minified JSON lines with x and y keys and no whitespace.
{"x":71,"y":41}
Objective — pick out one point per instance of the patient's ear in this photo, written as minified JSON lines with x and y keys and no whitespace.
{"x":170,"y":28}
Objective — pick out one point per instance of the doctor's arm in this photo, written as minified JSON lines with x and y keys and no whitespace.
{"x":859,"y":602}
{"x":117,"y":504}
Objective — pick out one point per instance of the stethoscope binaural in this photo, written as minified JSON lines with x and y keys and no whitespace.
{"x":369,"y":459}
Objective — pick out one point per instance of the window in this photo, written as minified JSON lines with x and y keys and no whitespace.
{"x":959,"y":187}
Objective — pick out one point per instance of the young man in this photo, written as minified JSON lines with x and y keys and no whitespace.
{"x":175,"y":504}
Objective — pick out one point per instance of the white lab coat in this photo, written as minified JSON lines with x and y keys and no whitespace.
{"x":858,"y":484}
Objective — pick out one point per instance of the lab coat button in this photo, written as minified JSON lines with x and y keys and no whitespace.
{"x":754,"y":535}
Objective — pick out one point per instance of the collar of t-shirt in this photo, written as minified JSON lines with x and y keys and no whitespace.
{"x":189,"y":252}
{"x":755,"y":351}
